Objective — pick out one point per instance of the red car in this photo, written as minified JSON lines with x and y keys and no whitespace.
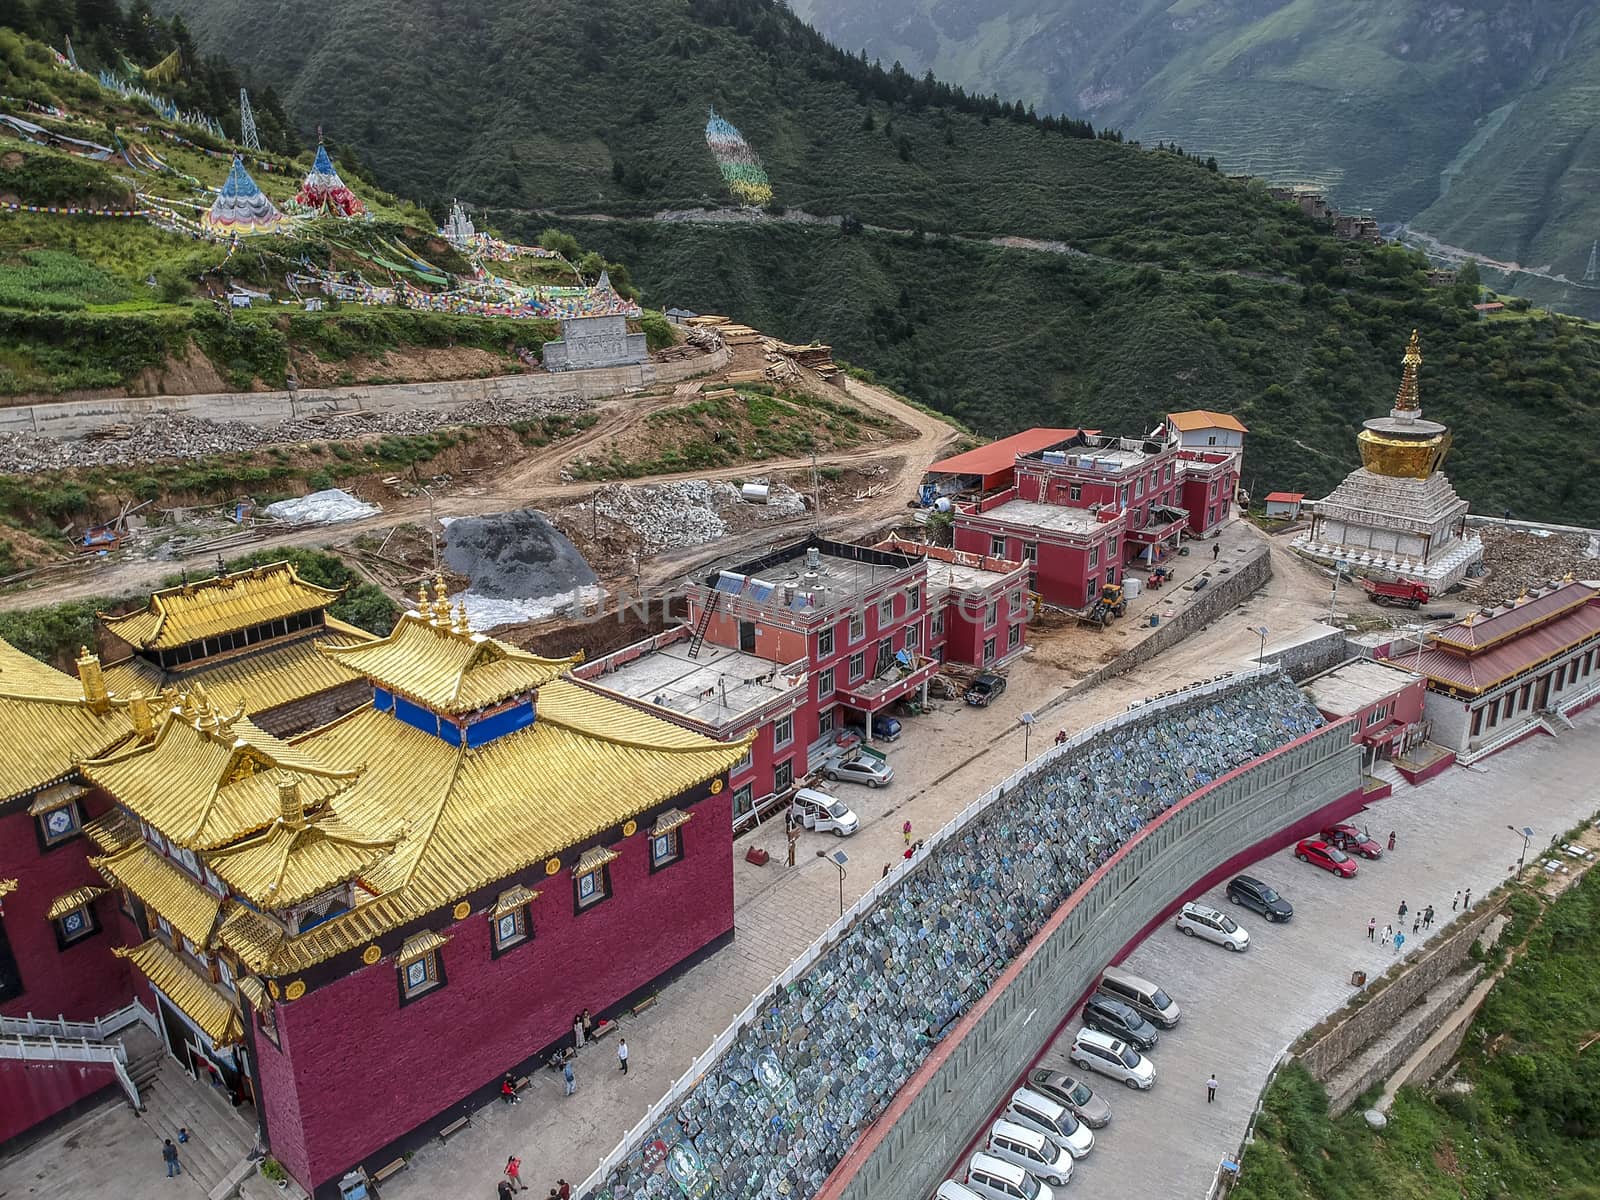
{"x":1329,"y":858}
{"x":1352,"y":840}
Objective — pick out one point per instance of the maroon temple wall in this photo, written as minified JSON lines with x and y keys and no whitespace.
{"x":358,"y":1078}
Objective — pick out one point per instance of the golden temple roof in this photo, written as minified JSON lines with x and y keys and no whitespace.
{"x":286,"y":865}
{"x":47,"y":711}
{"x":73,"y":900}
{"x":206,"y":780}
{"x":179,"y":615}
{"x":199,"y":998}
{"x":253,"y":990}
{"x":188,"y":907}
{"x":475,"y":816}
{"x":435,"y":660}
{"x":114,"y":832}
{"x":261,"y":680}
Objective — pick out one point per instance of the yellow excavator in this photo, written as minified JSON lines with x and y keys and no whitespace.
{"x":1109,"y":605}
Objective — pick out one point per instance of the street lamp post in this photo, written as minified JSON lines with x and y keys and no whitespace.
{"x":838,"y":859}
{"x":1261,"y":655}
{"x":1027,"y":720}
{"x":1526,"y":834}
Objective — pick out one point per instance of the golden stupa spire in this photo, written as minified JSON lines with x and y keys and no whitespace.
{"x":423,"y":606}
{"x":1411,"y":367}
{"x":441,"y":604}
{"x":461,"y":625}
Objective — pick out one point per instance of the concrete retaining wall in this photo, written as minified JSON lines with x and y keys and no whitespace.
{"x":76,"y":418}
{"x":1313,"y":655}
{"x":904,"y":1156}
{"x":1361,"y":1026}
{"x":1383,"y":1059}
{"x":1205,"y":607}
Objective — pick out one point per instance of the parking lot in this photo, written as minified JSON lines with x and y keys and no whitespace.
{"x":1241,"y":1010}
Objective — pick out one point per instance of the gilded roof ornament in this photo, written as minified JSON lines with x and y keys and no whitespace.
{"x":1411,"y":367}
{"x":441,"y":604}
{"x":423,"y":607}
{"x":462,"y":626}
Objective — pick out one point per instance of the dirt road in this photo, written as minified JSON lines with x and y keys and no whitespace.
{"x":535,"y":480}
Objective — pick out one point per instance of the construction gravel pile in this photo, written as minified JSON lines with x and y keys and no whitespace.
{"x":689,"y":512}
{"x":156,"y":438}
{"x":1521,"y":558}
{"x":518,"y":566}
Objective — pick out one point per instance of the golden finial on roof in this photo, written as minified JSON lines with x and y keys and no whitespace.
{"x":422,"y":597}
{"x":1567,"y":578}
{"x":1466,"y":622}
{"x":1410,"y":369}
{"x":441,"y":604}
{"x":139,"y":714}
{"x":1522,"y":596}
{"x":462,"y":625}
{"x":93,"y":681}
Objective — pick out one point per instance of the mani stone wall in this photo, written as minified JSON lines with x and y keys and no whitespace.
{"x":588,"y":342}
{"x":958,"y":1086}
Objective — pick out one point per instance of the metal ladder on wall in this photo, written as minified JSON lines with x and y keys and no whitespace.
{"x":704,"y":623}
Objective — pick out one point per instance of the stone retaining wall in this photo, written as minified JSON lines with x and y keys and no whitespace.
{"x":76,"y":418}
{"x":1356,"y":1028}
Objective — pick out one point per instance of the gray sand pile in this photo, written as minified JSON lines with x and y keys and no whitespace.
{"x":515,"y":556}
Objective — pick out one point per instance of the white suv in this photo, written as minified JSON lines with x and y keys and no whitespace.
{"x":1196,"y":920}
{"x":1096,"y":1051}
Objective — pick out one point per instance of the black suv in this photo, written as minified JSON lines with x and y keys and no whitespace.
{"x":1252,"y":893}
{"x":1120,"y":1021}
{"x":984,"y":689}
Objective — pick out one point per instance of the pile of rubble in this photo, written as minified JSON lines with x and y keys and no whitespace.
{"x":691,"y":512}
{"x":1519,"y":558}
{"x":159,"y":437}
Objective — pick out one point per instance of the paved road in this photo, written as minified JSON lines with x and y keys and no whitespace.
{"x":1240,"y":1011}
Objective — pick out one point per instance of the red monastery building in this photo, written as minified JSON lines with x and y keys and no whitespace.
{"x":411,"y":900}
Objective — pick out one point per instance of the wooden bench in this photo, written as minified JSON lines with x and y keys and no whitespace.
{"x":388,"y":1169}
{"x":521,"y":1084}
{"x":454,"y":1127}
{"x":601,"y":1030}
{"x":647,"y":1002}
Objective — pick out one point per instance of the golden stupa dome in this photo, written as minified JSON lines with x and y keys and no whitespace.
{"x":1403,"y":445}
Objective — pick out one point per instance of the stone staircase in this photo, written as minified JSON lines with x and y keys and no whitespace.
{"x":220,"y":1137}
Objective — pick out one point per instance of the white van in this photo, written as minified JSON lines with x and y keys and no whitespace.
{"x":951,"y":1190}
{"x":995,"y":1179}
{"x":1147,"y":998}
{"x":1030,"y":1150}
{"x":1056,"y":1121}
{"x":824,"y":813}
{"x":1096,"y":1051}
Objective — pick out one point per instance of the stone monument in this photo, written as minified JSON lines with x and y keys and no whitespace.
{"x":1397,"y":517}
{"x":599,"y":338}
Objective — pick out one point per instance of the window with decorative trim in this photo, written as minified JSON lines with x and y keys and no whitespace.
{"x":511,"y":919}
{"x":666,"y":838}
{"x":511,"y":929}
{"x":420,"y":965}
{"x":60,"y":824}
{"x":75,"y":924}
{"x":590,"y":878}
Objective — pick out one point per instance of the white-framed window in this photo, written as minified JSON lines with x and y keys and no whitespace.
{"x":224,"y":973}
{"x":988,"y":651}
{"x":997,"y":547}
{"x":58,"y":824}
{"x":1169,"y":473}
{"x":664,"y":848}
{"x":1014,"y":601}
{"x":420,"y":974}
{"x":1111,"y":546}
{"x":858,"y":627}
{"x":991,"y":615}
{"x":743,"y":764}
{"x":1211,"y":439}
{"x":1094,"y":556}
{"x":1014,"y":636}
{"x":913,"y":637}
{"x":783,"y":730}
{"x":825,"y":722}
{"x":885,"y":612}
{"x":936,"y":625}
{"x":825,"y":683}
{"x":1122,"y":496}
{"x":825,"y":642}
{"x":591,"y":887}
{"x":783,"y":775}
{"x":1138,"y":488}
{"x":743,"y":799}
{"x":1075,"y":492}
{"x":858,"y":666}
{"x":914,"y":598}
{"x":1030,"y":552}
{"x":1111,"y":574}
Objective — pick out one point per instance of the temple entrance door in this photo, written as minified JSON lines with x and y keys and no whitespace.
{"x":1541,"y":695}
{"x":177,"y":1034}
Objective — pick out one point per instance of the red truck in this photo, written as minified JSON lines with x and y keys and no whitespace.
{"x":1403,"y":593}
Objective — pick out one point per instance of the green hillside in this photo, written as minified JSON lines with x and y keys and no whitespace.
{"x":1385,"y":105}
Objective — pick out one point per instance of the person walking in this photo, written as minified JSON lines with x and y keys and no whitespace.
{"x":1372,"y":929}
{"x":1216,"y":549}
{"x":569,"y":1078}
{"x":169,"y":1155}
{"x":1416,"y":925}
{"x":1427,"y":917}
{"x":622,"y":1054}
{"x":514,"y":1173}
{"x":1403,"y":911}
{"x":1399,"y":940}
{"x":1388,"y":935}
{"x":1456,"y":903}
{"x":1211,"y":1088}
{"x":905,"y":833}
{"x":1391,"y":839}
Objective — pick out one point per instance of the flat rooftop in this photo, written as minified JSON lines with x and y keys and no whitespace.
{"x":715,"y":689}
{"x":958,"y":577}
{"x":823,"y":574}
{"x":1354,"y":686}
{"x":1045,"y":516}
{"x":1102,"y":452}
